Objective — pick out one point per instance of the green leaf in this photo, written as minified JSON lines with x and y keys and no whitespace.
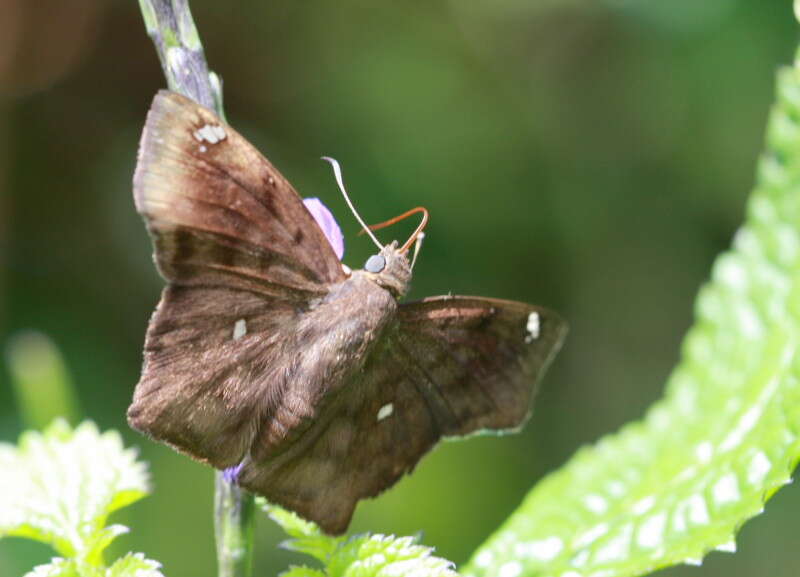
{"x":298,"y":571}
{"x":56,"y":568}
{"x":680,"y":483}
{"x":387,"y":556}
{"x":134,"y":565}
{"x":59,"y":487}
{"x":358,"y":556}
{"x":306,"y":536}
{"x":291,"y":523}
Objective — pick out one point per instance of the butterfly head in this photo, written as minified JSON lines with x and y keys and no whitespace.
{"x":390,"y":269}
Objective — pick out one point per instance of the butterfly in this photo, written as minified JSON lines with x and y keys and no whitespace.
{"x":269,"y":358}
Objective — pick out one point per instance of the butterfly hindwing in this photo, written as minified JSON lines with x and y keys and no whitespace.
{"x":446,"y":366}
{"x":231,"y":375}
{"x":376,"y":431}
{"x":206,"y":379}
{"x":478,"y":360}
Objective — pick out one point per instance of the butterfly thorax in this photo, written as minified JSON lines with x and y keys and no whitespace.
{"x":390,"y":270}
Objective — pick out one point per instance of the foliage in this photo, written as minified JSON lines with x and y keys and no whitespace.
{"x":357,"y":556}
{"x":681,"y":482}
{"x":60,"y":486}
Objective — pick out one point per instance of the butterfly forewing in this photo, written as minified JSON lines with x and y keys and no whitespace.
{"x":238,"y":248}
{"x":219,"y":212}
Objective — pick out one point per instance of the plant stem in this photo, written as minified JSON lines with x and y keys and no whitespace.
{"x":171,"y":27}
{"x":233,"y":528}
{"x":41,"y":381}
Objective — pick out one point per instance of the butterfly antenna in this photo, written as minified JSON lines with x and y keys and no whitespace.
{"x":406,"y":214}
{"x":417,"y":247}
{"x":337,"y":172}
{"x":417,"y":233}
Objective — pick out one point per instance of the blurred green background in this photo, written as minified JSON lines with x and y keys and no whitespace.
{"x":589,"y":155}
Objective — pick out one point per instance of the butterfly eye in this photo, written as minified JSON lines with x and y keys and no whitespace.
{"x":375,"y":264}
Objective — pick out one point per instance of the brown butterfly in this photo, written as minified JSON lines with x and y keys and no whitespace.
{"x":268,"y":355}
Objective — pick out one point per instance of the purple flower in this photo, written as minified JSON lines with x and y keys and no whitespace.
{"x":231,"y":474}
{"x":327,"y":223}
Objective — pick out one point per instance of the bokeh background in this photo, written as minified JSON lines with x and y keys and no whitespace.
{"x":589,"y":155}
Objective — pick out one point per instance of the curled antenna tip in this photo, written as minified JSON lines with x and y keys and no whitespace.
{"x":417,"y":247}
{"x":337,"y":173}
{"x":337,"y":170}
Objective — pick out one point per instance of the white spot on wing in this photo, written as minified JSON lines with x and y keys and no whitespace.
{"x":532,"y":327}
{"x":385,"y":411}
{"x":211,"y":133}
{"x":239,"y":329}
